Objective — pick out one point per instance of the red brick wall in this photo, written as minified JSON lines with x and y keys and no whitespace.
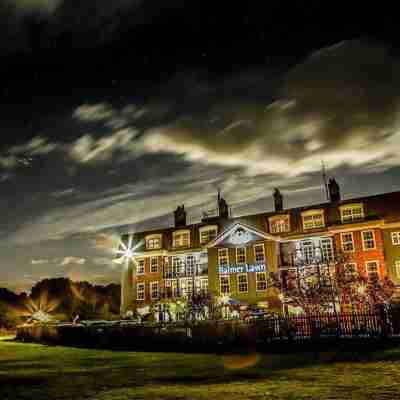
{"x":361,"y":256}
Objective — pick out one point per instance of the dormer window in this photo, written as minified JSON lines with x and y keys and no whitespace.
{"x":153,"y":242}
{"x":181,"y":238}
{"x":279,"y":224}
{"x":351,"y":212}
{"x":208,"y":233}
{"x":313,"y":219}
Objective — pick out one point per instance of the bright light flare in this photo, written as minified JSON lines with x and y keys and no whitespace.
{"x":127,"y":252}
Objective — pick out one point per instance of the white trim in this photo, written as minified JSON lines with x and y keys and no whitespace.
{"x":351,"y":206}
{"x":238,"y":283}
{"x":153,"y":236}
{"x":229,"y":283}
{"x":308,"y":213}
{"x":152,"y":258}
{"x":266,"y":282}
{"x":254,"y":250}
{"x":395,"y":234}
{"x":352,"y":241}
{"x":279,"y":217}
{"x":141,"y":284}
{"x":377,"y":267}
{"x":373,"y":236}
{"x":144,"y":266}
{"x":245,"y":255}
{"x":227,"y":255}
{"x":233,"y":227}
{"x":180,"y":232}
{"x":151,"y":290}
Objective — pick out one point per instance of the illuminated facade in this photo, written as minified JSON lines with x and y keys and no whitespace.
{"x":233,"y":256}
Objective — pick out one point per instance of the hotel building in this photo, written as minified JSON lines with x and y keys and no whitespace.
{"x":233,"y":256}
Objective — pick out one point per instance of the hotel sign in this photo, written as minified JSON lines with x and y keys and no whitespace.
{"x":241,"y":268}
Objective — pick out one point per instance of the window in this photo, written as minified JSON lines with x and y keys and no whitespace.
{"x":224,"y":284}
{"x":190,"y":264}
{"x":350,"y":270}
{"x":181,"y":239}
{"x":154,"y":290}
{"x":368,"y":240}
{"x":279,"y":224}
{"x":347,"y":241}
{"x":307,"y":251}
{"x":327,"y":249}
{"x":261,"y":281}
{"x":242,"y":283}
{"x":240,"y":255}
{"x":140,"y":266}
{"x":153,"y":264}
{"x":313,"y":219}
{"x":153,"y":242}
{"x":178,"y":266}
{"x":397,"y":268}
{"x":259,"y":255}
{"x":396,"y":238}
{"x":140,"y":291}
{"x":351,"y":212}
{"x":204,"y":284}
{"x":207,"y":233}
{"x":223,"y":258}
{"x":372,"y":270}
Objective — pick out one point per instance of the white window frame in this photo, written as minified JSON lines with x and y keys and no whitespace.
{"x":237,"y":256}
{"x":395,"y":238}
{"x":151,"y":264}
{"x":354,"y":267}
{"x":313,"y":213}
{"x":323,"y":241}
{"x":343,"y":242}
{"x":192,"y":265}
{"x":157,"y":236}
{"x":363,"y":240}
{"x":273,"y":220}
{"x":261,"y":281}
{"x":152,"y":289}
{"x":377,"y":267}
{"x":180,"y":232}
{"x":144,"y":266}
{"x":351,"y":207}
{"x":220,"y":256}
{"x":140,"y":285}
{"x":397,"y":268}
{"x":208,"y":228}
{"x":255,"y":253}
{"x":220,"y":284}
{"x":242,"y":283}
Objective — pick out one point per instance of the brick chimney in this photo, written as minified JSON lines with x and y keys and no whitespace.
{"x":278,"y":200}
{"x":180,"y":216}
{"x":334,"y":190}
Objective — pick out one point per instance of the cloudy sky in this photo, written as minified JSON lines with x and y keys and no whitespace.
{"x":113,"y":113}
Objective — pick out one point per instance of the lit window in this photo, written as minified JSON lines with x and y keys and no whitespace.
{"x":347,"y":241}
{"x":154,"y":293}
{"x":368,"y":240}
{"x":240,"y":255}
{"x":153,"y":264}
{"x":140,"y":266}
{"x":259,"y":255}
{"x":223,"y":258}
{"x":396,"y":238}
{"x":190,"y":264}
{"x":181,"y":239}
{"x":327,"y":249}
{"x":313,"y":220}
{"x":207,"y":233}
{"x":242,"y":283}
{"x":140,"y":291}
{"x":307,"y":251}
{"x":224,"y":284}
{"x":372,"y":270}
{"x":279,"y":224}
{"x":261,"y":281}
{"x":178,"y":266}
{"x":352,"y":212}
{"x":204,"y":284}
{"x":397,"y":268}
{"x":153,"y":242}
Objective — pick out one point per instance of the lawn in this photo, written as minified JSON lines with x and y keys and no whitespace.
{"x":35,"y":372}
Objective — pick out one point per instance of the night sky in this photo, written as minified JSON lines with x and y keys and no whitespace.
{"x":114,"y":112}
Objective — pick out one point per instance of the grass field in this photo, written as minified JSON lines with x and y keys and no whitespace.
{"x":35,"y":372}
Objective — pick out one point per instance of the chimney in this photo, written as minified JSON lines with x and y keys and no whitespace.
{"x":334,"y":190}
{"x":223,"y":209}
{"x":180,"y":216}
{"x":278,"y":200}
